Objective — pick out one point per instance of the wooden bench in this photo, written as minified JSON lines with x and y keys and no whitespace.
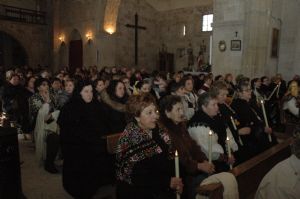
{"x":112,"y":141}
{"x":250,"y":173}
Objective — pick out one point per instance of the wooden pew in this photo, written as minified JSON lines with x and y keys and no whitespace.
{"x":250,"y":173}
{"x":112,"y":141}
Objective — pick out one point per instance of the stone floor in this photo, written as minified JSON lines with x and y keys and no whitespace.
{"x":36,"y":182}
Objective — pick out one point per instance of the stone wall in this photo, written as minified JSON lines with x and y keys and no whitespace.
{"x":254,"y":20}
{"x":33,"y":38}
{"x":105,"y":49}
{"x":250,"y":21}
{"x":147,"y":39}
{"x":85,"y":17}
{"x":289,"y":59}
{"x":228,"y":19}
{"x":171,"y":25}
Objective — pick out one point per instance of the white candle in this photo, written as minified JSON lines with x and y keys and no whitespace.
{"x":210,"y":50}
{"x":228,"y":149}
{"x":209,"y":146}
{"x":272,"y":92}
{"x":278,"y":85}
{"x":265,"y":118}
{"x":234,"y":126}
{"x":177,"y":170}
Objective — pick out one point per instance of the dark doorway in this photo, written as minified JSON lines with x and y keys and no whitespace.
{"x":166,"y":62}
{"x":12,"y":53}
{"x":75,"y":51}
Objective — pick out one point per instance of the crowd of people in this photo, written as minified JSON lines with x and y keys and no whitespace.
{"x":68,"y":116}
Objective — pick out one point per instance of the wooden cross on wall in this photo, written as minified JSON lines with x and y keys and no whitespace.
{"x":136,"y":28}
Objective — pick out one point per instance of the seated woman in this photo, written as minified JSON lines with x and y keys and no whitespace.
{"x":87,"y":165}
{"x":227,"y":116}
{"x":113,"y":100}
{"x":291,"y":102}
{"x":256,"y":95}
{"x":145,"y":86}
{"x":191,"y":157}
{"x":65,"y":95}
{"x":202,"y":123}
{"x":99,"y":86}
{"x":255,"y":137}
{"x":43,"y":110}
{"x":145,"y":166}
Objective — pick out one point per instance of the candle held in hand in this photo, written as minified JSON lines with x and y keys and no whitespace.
{"x":265,"y":118}
{"x":177,"y":170}
{"x":228,"y":150}
{"x":210,"y":134}
{"x":235,"y":128}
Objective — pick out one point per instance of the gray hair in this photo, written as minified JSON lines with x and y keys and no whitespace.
{"x":205,"y":98}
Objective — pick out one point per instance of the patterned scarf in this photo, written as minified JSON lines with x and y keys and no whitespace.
{"x":135,"y":145}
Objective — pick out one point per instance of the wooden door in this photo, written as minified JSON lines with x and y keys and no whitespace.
{"x":166,"y":62}
{"x":75,"y":55}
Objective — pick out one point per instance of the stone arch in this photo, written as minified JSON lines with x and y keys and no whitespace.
{"x":21,"y":44}
{"x":33,"y":40}
{"x":75,"y":35}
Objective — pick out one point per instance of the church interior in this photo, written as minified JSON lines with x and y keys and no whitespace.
{"x":88,"y":66}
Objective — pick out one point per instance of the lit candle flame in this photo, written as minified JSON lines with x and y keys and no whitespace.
{"x":176,"y":153}
{"x":210,"y":132}
{"x":227,"y":138}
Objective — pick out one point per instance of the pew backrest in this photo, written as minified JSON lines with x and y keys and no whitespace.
{"x":112,"y":142}
{"x":250,"y":173}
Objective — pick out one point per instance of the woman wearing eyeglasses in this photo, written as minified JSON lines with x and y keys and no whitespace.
{"x":255,"y":133}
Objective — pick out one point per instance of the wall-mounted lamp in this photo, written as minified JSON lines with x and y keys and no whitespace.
{"x":110,"y":29}
{"x":89,"y":37}
{"x":61,"y":38}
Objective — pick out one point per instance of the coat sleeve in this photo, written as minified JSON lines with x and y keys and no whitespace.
{"x":200,"y":135}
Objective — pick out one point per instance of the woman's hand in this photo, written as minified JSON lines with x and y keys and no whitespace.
{"x":46,"y":97}
{"x":206,"y":167}
{"x":245,"y":131}
{"x":176,"y":184}
{"x":231,"y":160}
{"x":268,"y":130}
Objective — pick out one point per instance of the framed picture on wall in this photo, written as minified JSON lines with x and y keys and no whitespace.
{"x":235,"y":45}
{"x":275,"y":43}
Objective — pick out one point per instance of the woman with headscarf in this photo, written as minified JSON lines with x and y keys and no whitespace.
{"x":86,"y":163}
{"x":113,"y":100}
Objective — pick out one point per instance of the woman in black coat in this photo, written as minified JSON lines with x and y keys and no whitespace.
{"x":113,"y":100}
{"x":87,"y":165}
{"x":255,"y":135}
